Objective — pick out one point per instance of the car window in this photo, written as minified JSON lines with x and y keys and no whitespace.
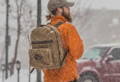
{"x":115,"y":53}
{"x":94,"y":53}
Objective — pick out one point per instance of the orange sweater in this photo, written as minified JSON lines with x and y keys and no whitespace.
{"x":72,"y":42}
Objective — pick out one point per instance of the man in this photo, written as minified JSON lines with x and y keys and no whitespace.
{"x":60,"y":12}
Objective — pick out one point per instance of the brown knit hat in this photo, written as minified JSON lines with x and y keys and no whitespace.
{"x":53,"y":4}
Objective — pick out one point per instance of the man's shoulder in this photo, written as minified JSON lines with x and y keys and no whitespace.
{"x":67,"y":25}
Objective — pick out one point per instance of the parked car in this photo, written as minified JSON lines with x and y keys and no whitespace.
{"x":101,"y":63}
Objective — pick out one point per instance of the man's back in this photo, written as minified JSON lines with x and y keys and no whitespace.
{"x":74,"y":45}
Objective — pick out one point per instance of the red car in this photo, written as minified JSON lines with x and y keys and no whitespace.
{"x":100,"y":63}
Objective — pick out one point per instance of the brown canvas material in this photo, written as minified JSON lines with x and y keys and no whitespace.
{"x":47,"y":49}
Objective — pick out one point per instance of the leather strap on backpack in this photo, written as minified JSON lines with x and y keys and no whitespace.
{"x":58,"y":24}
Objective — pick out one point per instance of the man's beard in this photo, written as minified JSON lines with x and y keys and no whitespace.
{"x":67,"y":16}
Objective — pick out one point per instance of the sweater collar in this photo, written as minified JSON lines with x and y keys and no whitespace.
{"x":57,"y":19}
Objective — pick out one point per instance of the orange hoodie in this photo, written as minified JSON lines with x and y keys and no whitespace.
{"x":73,"y":42}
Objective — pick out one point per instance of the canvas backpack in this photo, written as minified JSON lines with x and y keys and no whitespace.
{"x":46,"y":50}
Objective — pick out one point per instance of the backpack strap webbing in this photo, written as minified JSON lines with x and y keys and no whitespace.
{"x":58,"y":24}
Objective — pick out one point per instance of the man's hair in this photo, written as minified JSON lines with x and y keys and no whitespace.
{"x":53,"y":13}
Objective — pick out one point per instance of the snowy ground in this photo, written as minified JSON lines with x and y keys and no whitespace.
{"x":24,"y":77}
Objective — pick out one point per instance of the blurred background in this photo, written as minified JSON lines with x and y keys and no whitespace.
{"x":97,"y":21}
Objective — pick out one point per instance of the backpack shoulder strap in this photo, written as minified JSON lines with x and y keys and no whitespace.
{"x":58,"y":24}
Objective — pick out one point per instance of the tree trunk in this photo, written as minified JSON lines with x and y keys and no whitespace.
{"x":16,"y":45}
